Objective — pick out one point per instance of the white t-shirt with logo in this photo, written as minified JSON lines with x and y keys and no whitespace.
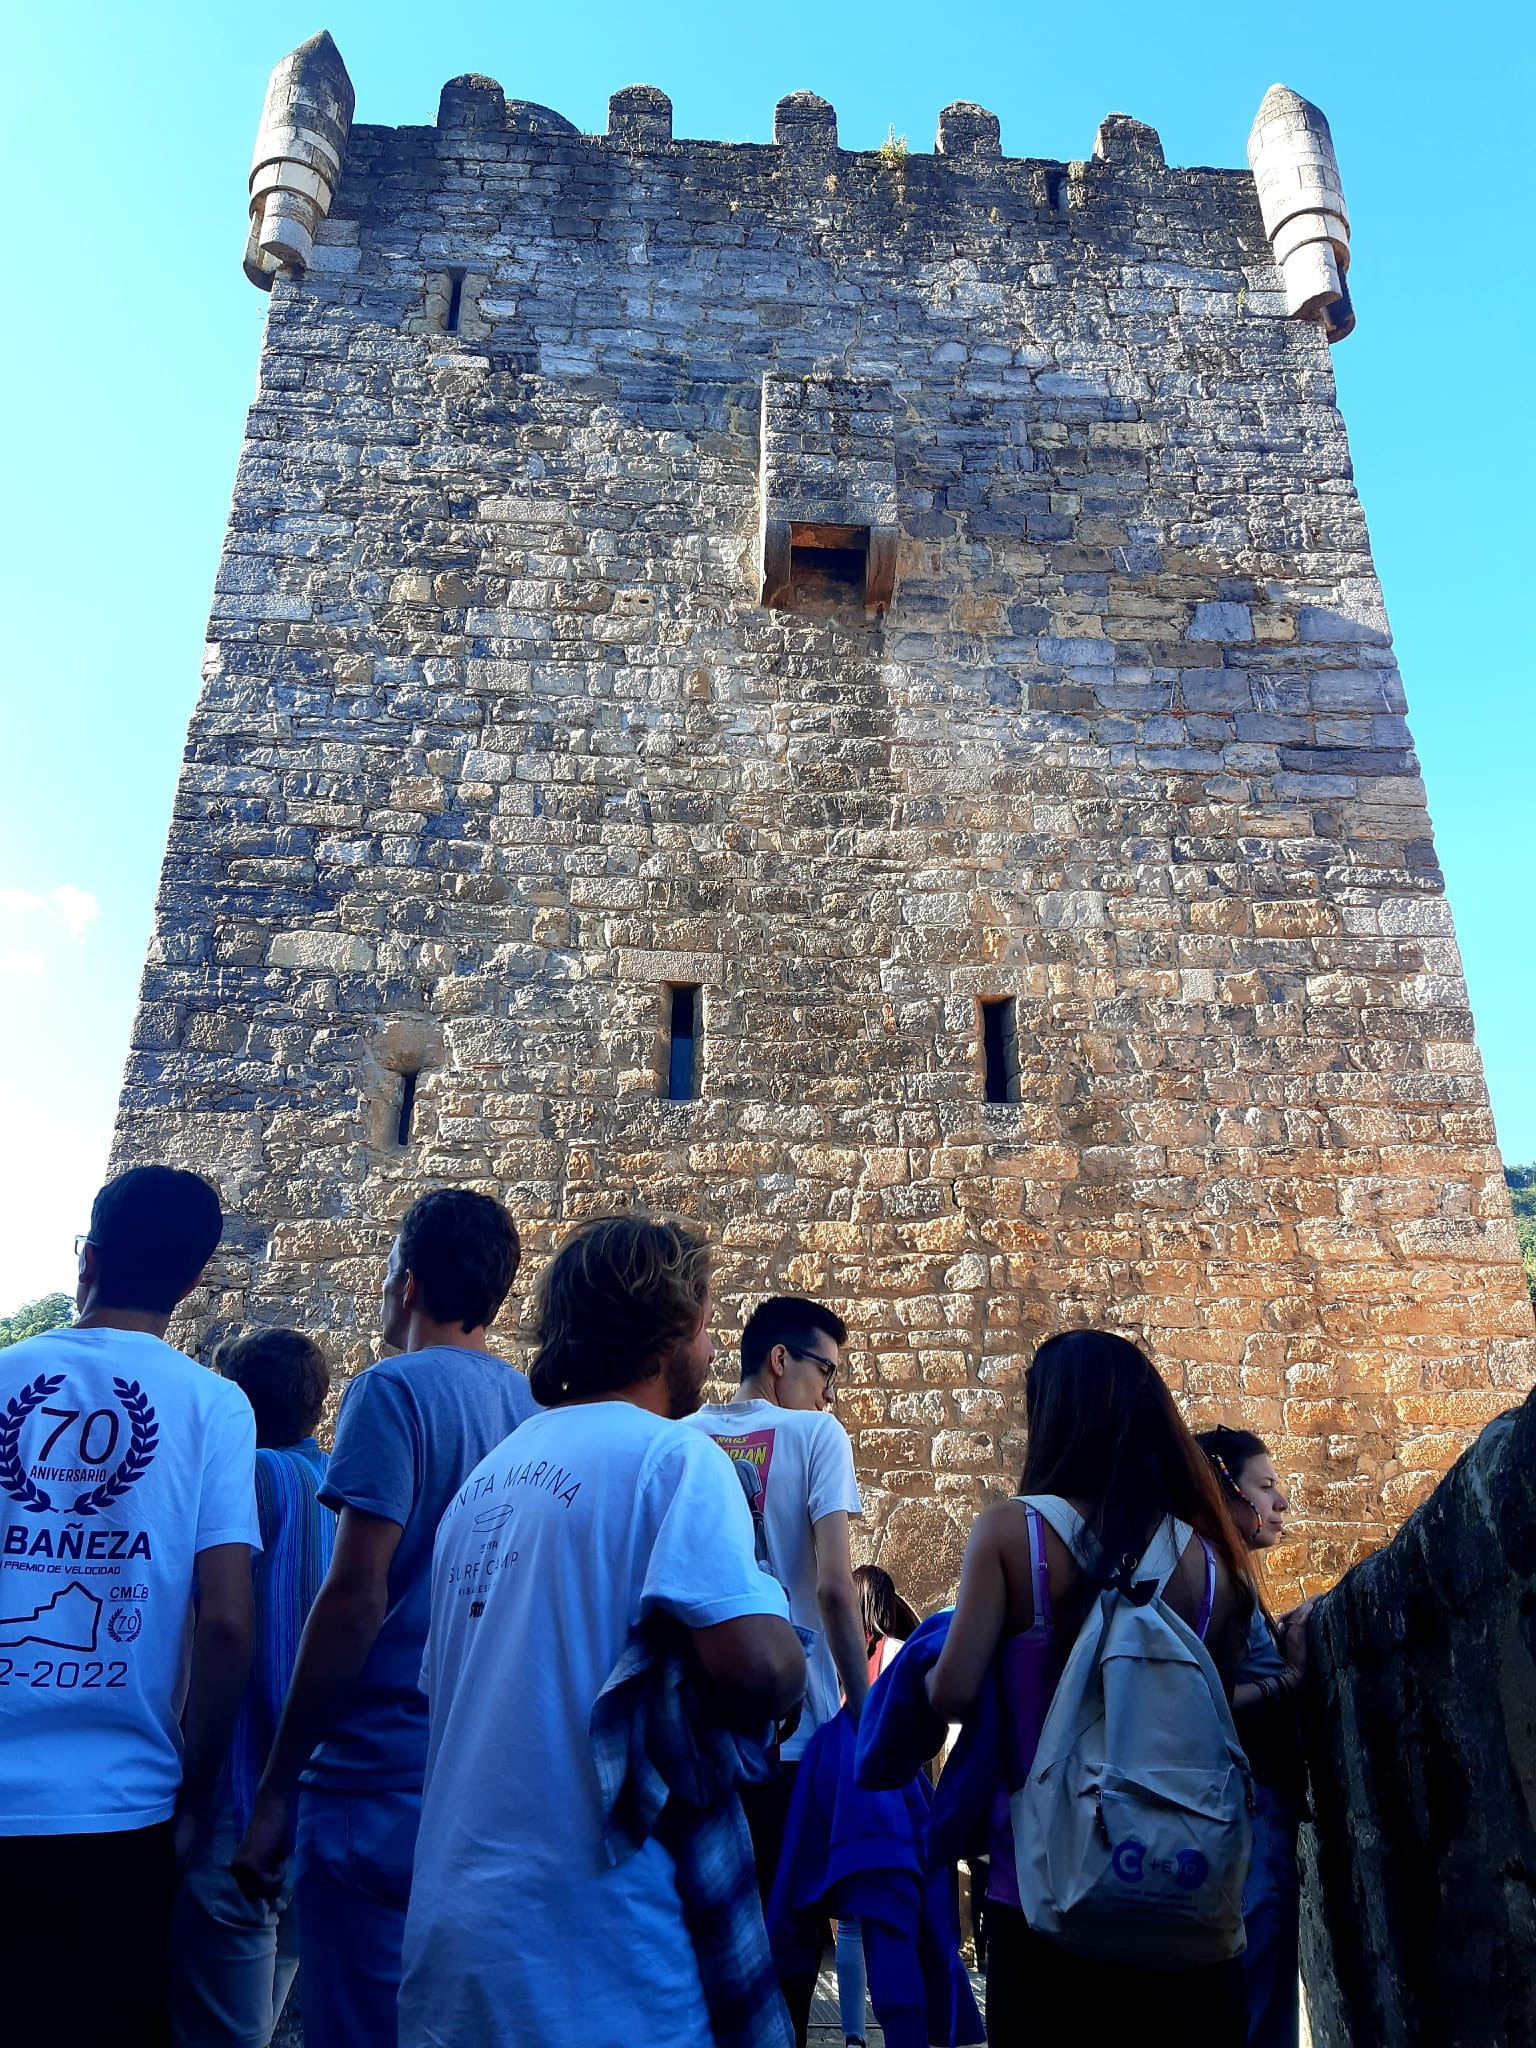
{"x":804,"y":1464}
{"x":586,"y":1519}
{"x":120,"y":1459}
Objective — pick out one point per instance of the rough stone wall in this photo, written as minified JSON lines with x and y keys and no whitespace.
{"x":1421,"y":1914}
{"x":496,"y":743}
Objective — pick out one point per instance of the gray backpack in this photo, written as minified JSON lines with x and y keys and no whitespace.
{"x":1133,"y":1830}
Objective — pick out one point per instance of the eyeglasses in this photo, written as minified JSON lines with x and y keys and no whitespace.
{"x":81,"y":1242}
{"x":825,"y":1366}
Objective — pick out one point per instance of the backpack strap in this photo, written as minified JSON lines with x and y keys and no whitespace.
{"x":1160,"y":1560}
{"x":1068,"y":1524}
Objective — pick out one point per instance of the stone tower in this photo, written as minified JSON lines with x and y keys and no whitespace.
{"x":846,"y":694}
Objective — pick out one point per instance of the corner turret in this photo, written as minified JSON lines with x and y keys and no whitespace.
{"x":305,"y":121}
{"x":1301,"y":197}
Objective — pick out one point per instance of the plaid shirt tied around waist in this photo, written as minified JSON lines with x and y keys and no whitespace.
{"x":664,"y":1769}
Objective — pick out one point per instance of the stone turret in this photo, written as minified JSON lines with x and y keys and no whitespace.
{"x":1301,"y":196}
{"x":305,"y":121}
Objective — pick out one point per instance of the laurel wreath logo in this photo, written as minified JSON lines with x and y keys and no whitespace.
{"x":143,"y":1441}
{"x":13,"y":1476}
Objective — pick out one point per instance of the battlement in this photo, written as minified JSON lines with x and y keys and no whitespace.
{"x":1288,"y":209}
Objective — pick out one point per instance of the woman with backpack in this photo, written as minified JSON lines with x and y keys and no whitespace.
{"x":1265,"y":1706}
{"x":1114,"y":1464}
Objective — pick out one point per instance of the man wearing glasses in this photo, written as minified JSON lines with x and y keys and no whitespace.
{"x":780,"y":1423}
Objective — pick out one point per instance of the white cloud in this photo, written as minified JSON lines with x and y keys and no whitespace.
{"x":74,"y":908}
{"x":77,"y":907}
{"x":21,"y":960}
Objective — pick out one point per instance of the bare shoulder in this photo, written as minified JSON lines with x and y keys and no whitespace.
{"x":1187,"y":1588}
{"x":1000,"y":1531}
{"x":999,"y":1523}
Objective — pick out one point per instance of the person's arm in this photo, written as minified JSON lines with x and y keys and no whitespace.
{"x":838,"y":1600}
{"x":221,"y":1664}
{"x":1278,"y":1691}
{"x":342,"y":1628}
{"x":981,"y":1609}
{"x":754,"y":1668}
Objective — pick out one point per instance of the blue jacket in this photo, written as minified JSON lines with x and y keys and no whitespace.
{"x":851,"y":1852}
{"x":899,"y":1732}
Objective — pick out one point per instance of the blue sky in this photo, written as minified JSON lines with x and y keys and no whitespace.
{"x":129,"y":353}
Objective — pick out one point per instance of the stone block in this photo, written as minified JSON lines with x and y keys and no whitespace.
{"x":1221,"y":621}
{"x":966,"y":130}
{"x":333,"y":952}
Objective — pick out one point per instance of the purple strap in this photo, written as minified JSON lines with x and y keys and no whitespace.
{"x":1210,"y":1590}
{"x":1036,"y":1524}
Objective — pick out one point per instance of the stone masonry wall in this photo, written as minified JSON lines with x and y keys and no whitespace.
{"x":496,"y":743}
{"x":1421,"y":1913}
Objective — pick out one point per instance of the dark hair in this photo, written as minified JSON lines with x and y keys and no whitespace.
{"x":786,"y":1319}
{"x":463,"y":1249}
{"x":1104,"y":1428}
{"x":284,"y":1376}
{"x":881,"y":1608}
{"x":1229,"y":1451}
{"x":154,"y":1229}
{"x":612,"y":1302}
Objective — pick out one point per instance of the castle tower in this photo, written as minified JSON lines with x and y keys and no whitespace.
{"x":844,"y":693}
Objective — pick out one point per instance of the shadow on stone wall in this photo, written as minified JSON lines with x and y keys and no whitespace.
{"x":1419,"y":1924}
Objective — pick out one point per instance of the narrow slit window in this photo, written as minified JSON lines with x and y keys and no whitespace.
{"x":455,"y":301}
{"x":1000,"y":1049}
{"x":683,"y":1046}
{"x":407,"y":1110}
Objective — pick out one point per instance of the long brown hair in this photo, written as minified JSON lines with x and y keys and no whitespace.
{"x":1103,"y":1428}
{"x":881,"y":1608}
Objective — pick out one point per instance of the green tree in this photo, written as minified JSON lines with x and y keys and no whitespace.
{"x":1522,"y":1196}
{"x":33,"y":1317}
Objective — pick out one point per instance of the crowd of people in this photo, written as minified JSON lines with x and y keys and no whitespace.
{"x":552,"y":1709}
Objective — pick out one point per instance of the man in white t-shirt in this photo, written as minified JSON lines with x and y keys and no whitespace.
{"x":804,"y":1492}
{"x":599,"y":1512}
{"x":127,"y":1522}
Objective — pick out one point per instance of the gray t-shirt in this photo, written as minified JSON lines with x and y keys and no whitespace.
{"x":410,"y":1432}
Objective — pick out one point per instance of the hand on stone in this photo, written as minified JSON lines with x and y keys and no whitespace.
{"x":1293,"y":1638}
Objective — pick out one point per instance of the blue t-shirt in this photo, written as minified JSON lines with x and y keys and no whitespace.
{"x":410,"y":1431}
